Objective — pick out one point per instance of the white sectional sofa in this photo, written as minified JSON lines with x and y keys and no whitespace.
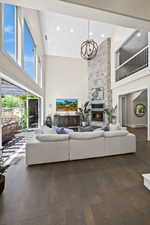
{"x":49,"y":148}
{"x":52,"y":147}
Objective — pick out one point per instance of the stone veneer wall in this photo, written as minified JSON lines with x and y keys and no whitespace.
{"x":100,"y":72}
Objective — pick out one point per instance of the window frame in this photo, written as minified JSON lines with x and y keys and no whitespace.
{"x":40,"y":72}
{"x":23,"y":47}
{"x":16,"y":34}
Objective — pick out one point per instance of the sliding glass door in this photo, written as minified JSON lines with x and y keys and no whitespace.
{"x":33,"y":112}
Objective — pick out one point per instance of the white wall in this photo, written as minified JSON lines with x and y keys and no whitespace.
{"x":65,"y":78}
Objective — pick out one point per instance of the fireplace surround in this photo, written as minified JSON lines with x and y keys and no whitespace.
{"x":97,"y":111}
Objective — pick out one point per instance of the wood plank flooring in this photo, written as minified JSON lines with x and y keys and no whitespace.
{"x":101,"y":191}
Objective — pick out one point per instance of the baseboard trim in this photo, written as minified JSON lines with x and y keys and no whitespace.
{"x":136,"y":126}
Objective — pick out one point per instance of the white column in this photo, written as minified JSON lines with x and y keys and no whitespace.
{"x":119,"y":109}
{"x":148,"y":114}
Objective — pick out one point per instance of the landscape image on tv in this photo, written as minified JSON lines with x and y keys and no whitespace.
{"x":66,"y":104}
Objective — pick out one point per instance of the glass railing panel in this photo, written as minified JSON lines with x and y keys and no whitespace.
{"x":137,"y":63}
{"x":136,"y":42}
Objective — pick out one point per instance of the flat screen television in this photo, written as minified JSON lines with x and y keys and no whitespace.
{"x":66,"y":104}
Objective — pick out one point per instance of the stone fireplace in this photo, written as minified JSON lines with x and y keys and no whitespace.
{"x":99,"y":83}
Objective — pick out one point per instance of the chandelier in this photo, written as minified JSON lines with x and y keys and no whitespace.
{"x":89,"y":47}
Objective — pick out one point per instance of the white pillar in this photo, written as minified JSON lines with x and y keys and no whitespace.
{"x":148,"y":114}
{"x":119,"y":109}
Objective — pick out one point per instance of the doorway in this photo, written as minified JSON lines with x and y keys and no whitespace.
{"x":33,"y":112}
{"x":134,"y":112}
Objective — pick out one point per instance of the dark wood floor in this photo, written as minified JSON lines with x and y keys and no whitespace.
{"x":102,"y":191}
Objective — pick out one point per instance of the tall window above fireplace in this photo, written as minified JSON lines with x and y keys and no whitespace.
{"x":132,"y":56}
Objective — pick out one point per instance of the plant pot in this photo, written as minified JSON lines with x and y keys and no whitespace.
{"x":2,"y":183}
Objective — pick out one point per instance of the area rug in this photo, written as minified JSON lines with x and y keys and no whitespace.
{"x":13,"y":151}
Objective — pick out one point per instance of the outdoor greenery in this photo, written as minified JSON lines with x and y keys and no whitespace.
{"x":24,"y":111}
{"x":20,"y":102}
{"x":10,"y":102}
{"x":140,"y":110}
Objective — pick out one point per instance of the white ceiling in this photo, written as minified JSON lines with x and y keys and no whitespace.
{"x":65,"y":33}
{"x":107,"y":11}
{"x":139,"y":9}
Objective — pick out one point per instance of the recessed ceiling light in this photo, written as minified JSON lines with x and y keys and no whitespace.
{"x":90,"y":33}
{"x":139,"y":34}
{"x":102,"y":35}
{"x":71,"y":30}
{"x":58,"y":28}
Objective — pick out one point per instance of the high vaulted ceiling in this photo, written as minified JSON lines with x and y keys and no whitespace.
{"x":139,"y":9}
{"x":64,"y":34}
{"x":109,"y":11}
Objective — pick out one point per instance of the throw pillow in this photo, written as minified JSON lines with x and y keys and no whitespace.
{"x":62,"y":130}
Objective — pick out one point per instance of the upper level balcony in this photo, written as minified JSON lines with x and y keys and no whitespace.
{"x":132,"y":56}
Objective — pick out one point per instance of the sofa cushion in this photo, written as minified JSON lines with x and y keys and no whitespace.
{"x":86,"y":135}
{"x":45,"y":130}
{"x":86,"y":129}
{"x":115,"y":133}
{"x":114,"y":127}
{"x":98,"y":129}
{"x":52,"y":137}
{"x":68,"y":131}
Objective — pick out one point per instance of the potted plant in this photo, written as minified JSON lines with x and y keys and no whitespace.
{"x":2,"y":178}
{"x":48,"y":121}
{"x":111,"y":114}
{"x":84,"y":113}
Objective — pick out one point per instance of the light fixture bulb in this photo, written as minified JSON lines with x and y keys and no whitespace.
{"x":58,"y":28}
{"x":71,"y":30}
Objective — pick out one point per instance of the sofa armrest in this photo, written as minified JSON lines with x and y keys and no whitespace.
{"x":45,"y":152}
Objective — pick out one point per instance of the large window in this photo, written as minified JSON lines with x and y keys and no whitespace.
{"x":29,"y":53}
{"x":132,"y":56}
{"x":9,"y":23}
